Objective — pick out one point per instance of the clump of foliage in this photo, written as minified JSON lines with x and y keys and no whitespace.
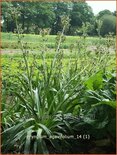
{"x":108,"y":24}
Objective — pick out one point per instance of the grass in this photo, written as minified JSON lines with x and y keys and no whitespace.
{"x":10,"y":41}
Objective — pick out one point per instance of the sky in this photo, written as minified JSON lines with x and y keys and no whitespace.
{"x":98,"y":6}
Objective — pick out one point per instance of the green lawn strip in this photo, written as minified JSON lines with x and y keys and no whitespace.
{"x":10,"y":40}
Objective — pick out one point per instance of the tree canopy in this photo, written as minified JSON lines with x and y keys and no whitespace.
{"x":108,"y":24}
{"x":33,"y":16}
{"x":104,"y":12}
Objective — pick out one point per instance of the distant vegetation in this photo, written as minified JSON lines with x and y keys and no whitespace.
{"x":33,"y":17}
{"x":34,"y":42}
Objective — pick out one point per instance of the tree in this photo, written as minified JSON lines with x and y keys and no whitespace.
{"x":45,"y":15}
{"x":104,"y":12}
{"x":108,"y":24}
{"x":32,"y":14}
{"x":61,"y":9}
{"x":81,"y":13}
{"x":114,"y":13}
{"x":12,"y":9}
{"x":36,"y":15}
{"x":9,"y":23}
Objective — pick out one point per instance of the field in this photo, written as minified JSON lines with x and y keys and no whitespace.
{"x":10,"y":41}
{"x":58,"y":94}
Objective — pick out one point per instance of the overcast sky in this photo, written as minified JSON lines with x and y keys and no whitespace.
{"x":98,"y":6}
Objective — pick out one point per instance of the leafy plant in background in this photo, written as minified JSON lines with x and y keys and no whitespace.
{"x":99,"y":105}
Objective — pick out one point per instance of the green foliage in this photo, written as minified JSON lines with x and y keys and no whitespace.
{"x":35,"y":16}
{"x":9,"y":23}
{"x":103,"y":13}
{"x":57,"y":94}
{"x":95,"y":82}
{"x":61,"y":9}
{"x":108,"y":24}
{"x":85,"y":29}
{"x":99,"y":105}
{"x":99,"y":26}
{"x":31,"y":15}
{"x":34,"y":42}
{"x":81,"y":13}
{"x":114,"y":13}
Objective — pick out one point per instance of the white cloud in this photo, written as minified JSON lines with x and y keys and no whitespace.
{"x":98,"y":6}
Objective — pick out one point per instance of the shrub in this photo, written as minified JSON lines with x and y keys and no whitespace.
{"x":108,"y":24}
